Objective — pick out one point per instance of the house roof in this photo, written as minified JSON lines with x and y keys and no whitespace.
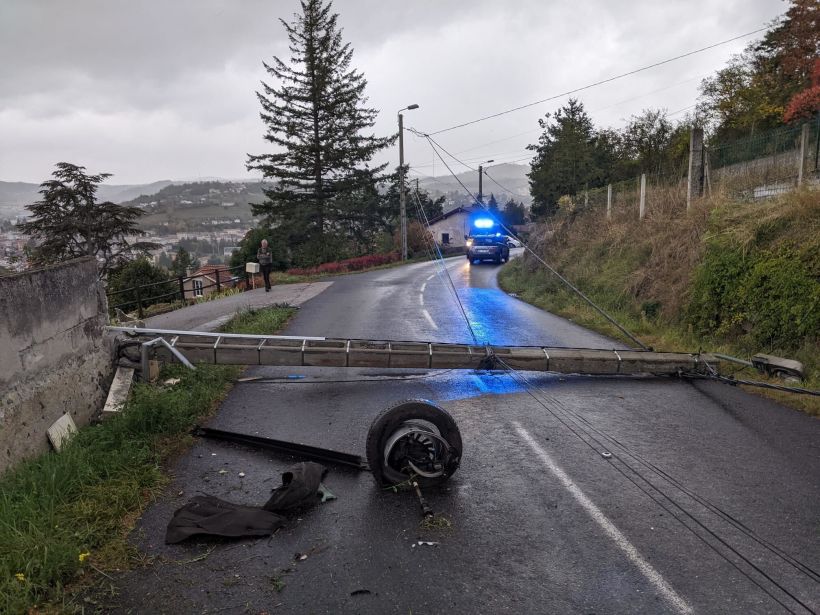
{"x":465,"y":209}
{"x":209,"y":271}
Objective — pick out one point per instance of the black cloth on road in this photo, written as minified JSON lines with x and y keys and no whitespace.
{"x":208,"y":515}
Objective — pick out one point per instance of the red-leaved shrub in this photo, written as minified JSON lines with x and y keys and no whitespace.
{"x":351,"y":264}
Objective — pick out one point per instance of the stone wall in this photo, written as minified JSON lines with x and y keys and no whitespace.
{"x":54,"y":355}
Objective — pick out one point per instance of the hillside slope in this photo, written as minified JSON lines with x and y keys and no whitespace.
{"x":734,"y":277}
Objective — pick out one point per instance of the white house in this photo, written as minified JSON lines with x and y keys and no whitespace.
{"x":450,"y":228}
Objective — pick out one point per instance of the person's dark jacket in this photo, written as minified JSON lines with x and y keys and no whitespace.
{"x":264,"y":256}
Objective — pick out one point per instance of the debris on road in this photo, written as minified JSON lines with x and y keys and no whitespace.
{"x":424,"y":543}
{"x":360,"y":592}
{"x":606,"y":455}
{"x":436,"y":522}
{"x":208,"y":515}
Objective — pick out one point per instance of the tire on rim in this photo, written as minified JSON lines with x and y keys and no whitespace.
{"x":416,"y":432}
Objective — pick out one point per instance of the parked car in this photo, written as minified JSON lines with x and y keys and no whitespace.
{"x":512,"y":242}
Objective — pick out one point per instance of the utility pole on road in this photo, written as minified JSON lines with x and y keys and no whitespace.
{"x":402,"y":197}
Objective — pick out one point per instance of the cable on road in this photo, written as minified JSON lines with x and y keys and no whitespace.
{"x":575,"y":427}
{"x":573,"y":422}
{"x":440,"y":261}
{"x":597,"y":83}
{"x":435,"y":146}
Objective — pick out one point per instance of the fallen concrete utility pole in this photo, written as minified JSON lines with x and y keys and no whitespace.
{"x":295,"y":351}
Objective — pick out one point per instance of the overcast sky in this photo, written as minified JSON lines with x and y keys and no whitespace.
{"x":151,"y":89}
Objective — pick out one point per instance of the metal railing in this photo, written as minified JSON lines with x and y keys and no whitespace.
{"x":143,"y":300}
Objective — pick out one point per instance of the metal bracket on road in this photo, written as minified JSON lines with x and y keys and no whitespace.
{"x":281,"y":446}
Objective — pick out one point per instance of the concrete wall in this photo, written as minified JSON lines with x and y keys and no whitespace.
{"x":54,"y":356}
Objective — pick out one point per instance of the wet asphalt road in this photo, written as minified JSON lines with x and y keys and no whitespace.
{"x":709,"y":503}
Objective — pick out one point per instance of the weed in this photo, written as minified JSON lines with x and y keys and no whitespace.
{"x":436,"y":522}
{"x":65,"y":516}
{"x":729,"y":277}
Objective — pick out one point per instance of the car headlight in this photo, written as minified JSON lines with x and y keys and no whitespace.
{"x":469,"y":243}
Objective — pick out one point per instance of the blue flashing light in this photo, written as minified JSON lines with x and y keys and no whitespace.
{"x":483,"y":223}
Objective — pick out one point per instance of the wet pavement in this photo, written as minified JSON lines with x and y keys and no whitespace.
{"x":707,"y":502}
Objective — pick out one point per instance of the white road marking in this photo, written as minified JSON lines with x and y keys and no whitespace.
{"x":421,"y":299}
{"x":652,"y":575}
{"x":430,"y":277}
{"x":430,"y":319}
{"x":423,"y":286}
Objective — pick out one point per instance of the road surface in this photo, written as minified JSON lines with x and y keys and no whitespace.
{"x":709,"y":502}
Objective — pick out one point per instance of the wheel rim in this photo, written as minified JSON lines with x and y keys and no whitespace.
{"x":416,"y":446}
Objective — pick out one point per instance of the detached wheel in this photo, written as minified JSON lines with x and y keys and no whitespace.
{"x":413,"y":438}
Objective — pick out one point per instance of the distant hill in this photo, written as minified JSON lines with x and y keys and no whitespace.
{"x":200,"y":205}
{"x":513,"y":178}
{"x":14,"y":196}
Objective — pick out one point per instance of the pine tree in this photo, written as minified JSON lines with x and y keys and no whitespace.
{"x":565,"y":159}
{"x":316,"y":117}
{"x":68,"y":222}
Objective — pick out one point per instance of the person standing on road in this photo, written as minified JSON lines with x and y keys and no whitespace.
{"x":265,"y":258}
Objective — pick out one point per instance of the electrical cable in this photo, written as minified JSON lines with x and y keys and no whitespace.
{"x":571,"y":416}
{"x":435,"y":146}
{"x":423,"y":214}
{"x":597,"y":83}
{"x":528,"y":387}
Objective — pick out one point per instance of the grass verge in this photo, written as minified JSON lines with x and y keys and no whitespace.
{"x":65,"y":517}
{"x":737,"y":278}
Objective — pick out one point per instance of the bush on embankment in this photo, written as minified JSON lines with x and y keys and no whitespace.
{"x":731,"y":276}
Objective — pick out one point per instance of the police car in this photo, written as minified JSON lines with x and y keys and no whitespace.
{"x":486,"y":242}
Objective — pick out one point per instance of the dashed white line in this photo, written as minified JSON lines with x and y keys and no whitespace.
{"x":652,"y":575}
{"x":423,"y":286}
{"x":421,"y":299}
{"x":430,"y":277}
{"x":430,"y":319}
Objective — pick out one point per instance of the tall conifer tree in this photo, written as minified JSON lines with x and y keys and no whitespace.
{"x":316,"y":117}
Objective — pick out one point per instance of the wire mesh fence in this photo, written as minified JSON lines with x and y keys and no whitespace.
{"x":756,"y":167}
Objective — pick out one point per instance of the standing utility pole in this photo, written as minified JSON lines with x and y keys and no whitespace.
{"x":480,"y":173}
{"x":402,"y":203}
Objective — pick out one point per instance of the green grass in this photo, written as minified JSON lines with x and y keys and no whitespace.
{"x":263,"y":321}
{"x":64,"y":517}
{"x":732,"y":278}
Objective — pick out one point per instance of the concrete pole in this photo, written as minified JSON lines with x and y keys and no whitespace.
{"x":480,"y":173}
{"x":801,"y":160}
{"x":402,"y":204}
{"x":642,"y":206}
{"x":609,"y":202}
{"x":694,"y":184}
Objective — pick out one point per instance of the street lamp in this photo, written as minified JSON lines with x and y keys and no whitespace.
{"x":480,"y":172}
{"x":402,"y":206}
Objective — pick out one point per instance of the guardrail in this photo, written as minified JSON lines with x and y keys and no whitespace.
{"x":141,"y":301}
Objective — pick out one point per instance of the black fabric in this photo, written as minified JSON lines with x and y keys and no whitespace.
{"x":300,"y":487}
{"x":266,"y":274}
{"x":208,"y":515}
{"x":205,"y":514}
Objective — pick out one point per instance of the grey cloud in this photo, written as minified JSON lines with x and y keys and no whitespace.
{"x":92,"y":80}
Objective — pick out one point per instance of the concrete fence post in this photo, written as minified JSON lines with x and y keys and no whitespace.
{"x":609,"y":202}
{"x":694,"y":183}
{"x":181,"y":289}
{"x":801,"y":159}
{"x":642,"y":206}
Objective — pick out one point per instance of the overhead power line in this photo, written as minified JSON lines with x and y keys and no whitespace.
{"x":597,"y":83}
